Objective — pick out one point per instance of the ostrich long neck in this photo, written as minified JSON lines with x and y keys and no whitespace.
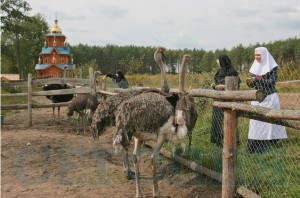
{"x":182,"y":70}
{"x":165,"y":87}
{"x":164,"y":83}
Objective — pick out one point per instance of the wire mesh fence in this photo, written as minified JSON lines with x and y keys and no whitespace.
{"x":268,"y":154}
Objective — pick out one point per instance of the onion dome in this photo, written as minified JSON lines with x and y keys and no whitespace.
{"x":55,"y":28}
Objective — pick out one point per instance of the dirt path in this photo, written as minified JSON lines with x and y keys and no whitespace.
{"x":49,"y":160}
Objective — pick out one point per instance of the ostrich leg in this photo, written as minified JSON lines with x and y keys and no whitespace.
{"x":155,"y":156}
{"x":129,"y":173}
{"x":58,"y":112}
{"x":53,"y":113}
{"x":78,"y":121}
{"x":136,"y":154}
{"x":84,"y":123}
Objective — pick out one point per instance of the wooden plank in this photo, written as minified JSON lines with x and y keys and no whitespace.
{"x":73,"y":81}
{"x":34,"y":106}
{"x":241,"y":95}
{"x":14,"y":95}
{"x":263,"y":111}
{"x":80,"y":90}
{"x":14,"y":107}
{"x":242,"y":190}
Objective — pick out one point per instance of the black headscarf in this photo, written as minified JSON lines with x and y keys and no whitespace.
{"x":225,"y":70}
{"x":120,"y":77}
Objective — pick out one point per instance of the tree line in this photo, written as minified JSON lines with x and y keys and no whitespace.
{"x":22,"y":38}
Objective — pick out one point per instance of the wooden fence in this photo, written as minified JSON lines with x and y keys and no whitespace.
{"x":289,"y":118}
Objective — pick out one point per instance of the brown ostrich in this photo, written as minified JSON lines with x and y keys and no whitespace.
{"x":84,"y":105}
{"x":104,"y":115}
{"x":151,"y":116}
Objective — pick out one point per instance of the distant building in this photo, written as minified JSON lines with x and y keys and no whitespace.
{"x":55,"y":56}
{"x":9,"y":77}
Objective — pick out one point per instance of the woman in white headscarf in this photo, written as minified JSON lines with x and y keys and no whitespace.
{"x":263,"y":135}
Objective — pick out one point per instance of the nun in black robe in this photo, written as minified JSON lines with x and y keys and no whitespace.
{"x":226,"y":69}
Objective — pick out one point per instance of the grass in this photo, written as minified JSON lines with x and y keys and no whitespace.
{"x":10,"y":101}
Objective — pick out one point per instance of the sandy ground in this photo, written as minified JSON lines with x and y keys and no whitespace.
{"x":50,"y":160}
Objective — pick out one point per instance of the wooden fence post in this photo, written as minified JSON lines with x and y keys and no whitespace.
{"x":230,"y":144}
{"x":80,"y":72}
{"x":29,"y":100}
{"x":91,"y":76}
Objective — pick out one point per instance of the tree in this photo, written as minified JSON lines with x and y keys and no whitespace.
{"x":22,"y":52}
{"x":208,"y":62}
{"x":236,"y":56}
{"x":13,"y":15}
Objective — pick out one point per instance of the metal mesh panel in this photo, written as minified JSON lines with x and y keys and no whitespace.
{"x":267,"y":165}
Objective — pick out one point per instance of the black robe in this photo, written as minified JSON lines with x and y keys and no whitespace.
{"x":217,"y":129}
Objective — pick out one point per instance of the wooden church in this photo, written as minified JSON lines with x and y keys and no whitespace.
{"x":55,"y":58}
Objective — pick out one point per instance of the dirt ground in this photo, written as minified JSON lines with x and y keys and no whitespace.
{"x":50,"y":160}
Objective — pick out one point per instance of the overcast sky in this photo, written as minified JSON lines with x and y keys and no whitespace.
{"x":174,"y":24}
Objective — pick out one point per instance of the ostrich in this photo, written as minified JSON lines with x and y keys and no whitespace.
{"x":105,"y":113}
{"x":58,"y":98}
{"x":85,"y":105}
{"x":150,"y":116}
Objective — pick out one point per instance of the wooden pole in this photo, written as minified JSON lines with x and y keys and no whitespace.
{"x":29,"y":102}
{"x":80,"y":72}
{"x":230,"y":145}
{"x":268,"y":113}
{"x":92,"y":82}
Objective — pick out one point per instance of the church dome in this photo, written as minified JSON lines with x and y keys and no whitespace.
{"x":55,"y":28}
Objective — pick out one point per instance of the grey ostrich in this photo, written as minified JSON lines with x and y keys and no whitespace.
{"x":85,"y":105}
{"x":151,"y":116}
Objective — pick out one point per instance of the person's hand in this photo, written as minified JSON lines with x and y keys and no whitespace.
{"x":213,"y":85}
{"x":250,"y":81}
{"x":220,"y":87}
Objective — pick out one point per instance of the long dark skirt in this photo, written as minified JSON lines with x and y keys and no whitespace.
{"x":217,"y":129}
{"x":260,"y":146}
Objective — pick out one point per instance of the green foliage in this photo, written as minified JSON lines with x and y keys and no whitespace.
{"x":83,"y":69}
{"x":22,"y":37}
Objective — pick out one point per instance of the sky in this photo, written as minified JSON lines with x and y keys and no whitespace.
{"x":174,"y":24}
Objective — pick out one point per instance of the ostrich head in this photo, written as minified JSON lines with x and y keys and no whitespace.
{"x":158,"y":57}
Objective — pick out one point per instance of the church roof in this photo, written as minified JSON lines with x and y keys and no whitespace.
{"x":60,"y":50}
{"x":62,"y":66}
